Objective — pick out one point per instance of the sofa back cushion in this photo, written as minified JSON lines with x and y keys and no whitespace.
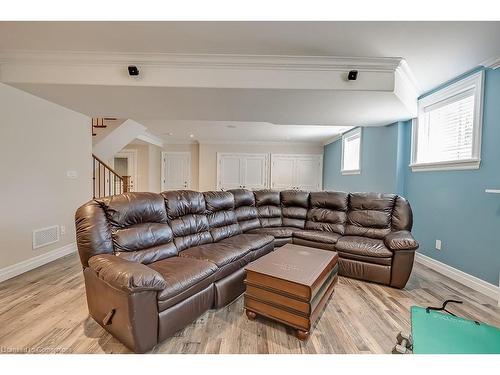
{"x":186,"y":216}
{"x":139,"y":226}
{"x":327,"y":211}
{"x":268,"y":208}
{"x":245,"y":210}
{"x":294,"y":205}
{"x":370,"y":214}
{"x":220,"y":214}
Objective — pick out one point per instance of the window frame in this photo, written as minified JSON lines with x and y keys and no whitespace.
{"x":351,"y":134}
{"x":473,"y":82}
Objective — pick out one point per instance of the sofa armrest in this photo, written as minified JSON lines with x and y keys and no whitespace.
{"x":400,"y":240}
{"x":126,"y":275}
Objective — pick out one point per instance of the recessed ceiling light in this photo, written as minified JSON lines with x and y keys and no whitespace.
{"x":170,"y":133}
{"x":191,"y":135}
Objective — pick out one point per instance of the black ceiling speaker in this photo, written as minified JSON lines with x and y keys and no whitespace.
{"x":353,"y":75}
{"x":133,"y":70}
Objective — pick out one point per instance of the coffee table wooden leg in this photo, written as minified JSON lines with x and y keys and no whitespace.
{"x":251,"y":315}
{"x":302,"y":335}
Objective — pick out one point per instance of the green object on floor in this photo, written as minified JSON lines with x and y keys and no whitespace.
{"x":437,"y":333}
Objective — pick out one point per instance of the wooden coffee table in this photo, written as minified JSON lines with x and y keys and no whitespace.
{"x":291,"y":285}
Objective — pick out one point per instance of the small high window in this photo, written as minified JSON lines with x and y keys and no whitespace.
{"x":351,"y":152}
{"x":447,"y":132}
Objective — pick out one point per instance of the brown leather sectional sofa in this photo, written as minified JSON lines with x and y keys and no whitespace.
{"x":153,"y":263}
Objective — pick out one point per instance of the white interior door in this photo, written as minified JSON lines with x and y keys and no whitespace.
{"x":309,"y":173}
{"x":176,"y":171}
{"x":282,"y":172}
{"x":255,"y":171}
{"x":229,"y":171}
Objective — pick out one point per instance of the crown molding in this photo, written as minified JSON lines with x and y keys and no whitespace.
{"x":259,"y":143}
{"x":210,"y":61}
{"x":493,"y":63}
{"x":407,"y":75}
{"x":333,"y":139}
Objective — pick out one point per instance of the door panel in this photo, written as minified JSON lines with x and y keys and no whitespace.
{"x":282,"y":172}
{"x":296,"y":172}
{"x":308,"y":173}
{"x":255,"y":172}
{"x":230,"y":171}
{"x":177,"y":171}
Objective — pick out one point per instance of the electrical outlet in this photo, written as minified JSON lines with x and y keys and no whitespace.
{"x":438,"y":244}
{"x":62,"y":230}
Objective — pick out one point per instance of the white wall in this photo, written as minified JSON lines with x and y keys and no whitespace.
{"x":148,"y":166}
{"x":154,"y":159}
{"x":208,"y":156}
{"x":39,"y":142}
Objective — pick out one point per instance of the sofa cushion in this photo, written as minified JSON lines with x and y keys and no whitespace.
{"x":253,"y":241}
{"x":278,"y":232}
{"x":317,"y":236}
{"x":364,"y":246}
{"x":294,"y":208}
{"x":245,"y":210}
{"x":186,"y":214}
{"x":182,"y":273}
{"x":219,"y":253}
{"x":369,"y":214}
{"x":139,"y":228}
{"x":268,"y":208}
{"x":220,"y":214}
{"x":327,"y":212}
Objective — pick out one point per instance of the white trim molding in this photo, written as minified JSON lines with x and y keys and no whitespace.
{"x":205,"y":61}
{"x":461,"y":277}
{"x":150,"y":138}
{"x":493,"y":63}
{"x":35,"y":262}
{"x":474,"y":84}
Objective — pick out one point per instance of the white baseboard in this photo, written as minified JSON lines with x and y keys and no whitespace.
{"x":466,"y":279}
{"x":30,"y":264}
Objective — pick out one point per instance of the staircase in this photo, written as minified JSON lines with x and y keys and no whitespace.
{"x":106,"y":181}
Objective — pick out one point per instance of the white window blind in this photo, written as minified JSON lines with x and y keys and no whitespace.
{"x":351,"y":150}
{"x":447,"y":131}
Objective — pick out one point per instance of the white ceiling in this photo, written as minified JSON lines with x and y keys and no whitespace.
{"x":434,"y":51}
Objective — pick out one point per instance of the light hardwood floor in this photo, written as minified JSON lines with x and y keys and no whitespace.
{"x":45,"y":310}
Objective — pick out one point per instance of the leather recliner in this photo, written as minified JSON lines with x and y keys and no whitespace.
{"x":153,"y":263}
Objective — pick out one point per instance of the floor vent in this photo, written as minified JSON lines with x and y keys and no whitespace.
{"x":45,"y":236}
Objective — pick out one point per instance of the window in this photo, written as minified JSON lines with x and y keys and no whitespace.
{"x":351,"y":152}
{"x":447,"y":132}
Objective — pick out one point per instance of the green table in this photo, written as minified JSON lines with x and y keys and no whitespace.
{"x":437,"y":333}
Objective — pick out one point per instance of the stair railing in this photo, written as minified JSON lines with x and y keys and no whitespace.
{"x":106,"y":181}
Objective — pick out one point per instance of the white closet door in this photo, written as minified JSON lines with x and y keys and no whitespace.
{"x":255,"y":171}
{"x":230,"y":169}
{"x":309,"y":173}
{"x":282,"y":172}
{"x":176,"y":170}
{"x":296,"y":172}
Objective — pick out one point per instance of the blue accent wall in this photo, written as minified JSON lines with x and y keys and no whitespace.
{"x":452,"y":205}
{"x":378,"y":162}
{"x":448,"y":205}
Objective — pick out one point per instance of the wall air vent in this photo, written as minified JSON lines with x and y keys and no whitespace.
{"x":45,"y":236}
